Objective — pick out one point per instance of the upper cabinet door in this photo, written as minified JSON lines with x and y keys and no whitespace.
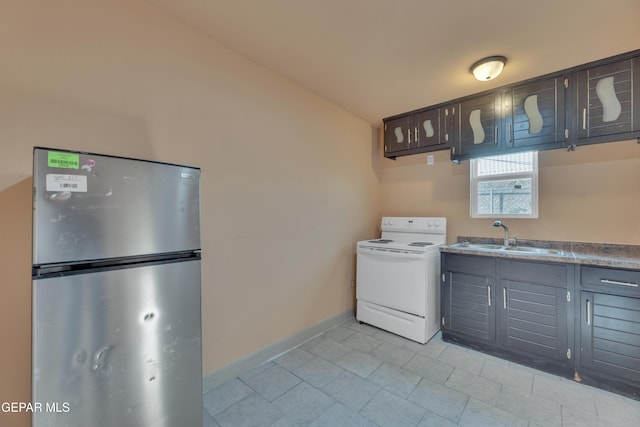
{"x":398,"y":133}
{"x":480,"y":125}
{"x":534,"y":114}
{"x":449,"y":125}
{"x":607,"y":100}
{"x":415,"y":133}
{"x":426,"y":128}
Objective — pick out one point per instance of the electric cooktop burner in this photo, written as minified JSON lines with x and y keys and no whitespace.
{"x":421,"y":244}
{"x":381,"y":241}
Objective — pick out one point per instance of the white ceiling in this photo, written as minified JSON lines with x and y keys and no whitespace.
{"x":378,"y":58}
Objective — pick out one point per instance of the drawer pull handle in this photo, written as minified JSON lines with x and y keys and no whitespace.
{"x":588,"y":313}
{"x":504,"y":298}
{"x":616,"y":282}
{"x":489,"y":295}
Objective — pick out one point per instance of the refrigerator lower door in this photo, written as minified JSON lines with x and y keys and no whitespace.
{"x":119,"y":348}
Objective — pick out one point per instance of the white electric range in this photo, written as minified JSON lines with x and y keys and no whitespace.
{"x":397,"y":279}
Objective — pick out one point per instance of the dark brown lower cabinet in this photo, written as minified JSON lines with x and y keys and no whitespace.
{"x":514,"y":309}
{"x":467,"y":297}
{"x":534,"y":313}
{"x":609,"y":330}
{"x":533,"y":318}
{"x":578,"y":321}
{"x":471,"y":310}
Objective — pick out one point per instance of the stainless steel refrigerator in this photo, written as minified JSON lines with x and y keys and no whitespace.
{"x":116,"y":325}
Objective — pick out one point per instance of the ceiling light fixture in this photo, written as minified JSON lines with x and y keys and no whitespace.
{"x":488,"y":68}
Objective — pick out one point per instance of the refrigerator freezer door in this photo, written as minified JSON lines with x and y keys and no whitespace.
{"x":119,"y":348}
{"x":92,"y":207}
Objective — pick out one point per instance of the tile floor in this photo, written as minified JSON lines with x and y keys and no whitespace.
{"x":357,"y":375}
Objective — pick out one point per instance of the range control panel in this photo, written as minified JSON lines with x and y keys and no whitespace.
{"x":415,"y":224}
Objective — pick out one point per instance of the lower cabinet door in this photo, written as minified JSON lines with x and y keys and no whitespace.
{"x":469,"y":306}
{"x":533,"y":318}
{"x":610,"y":335}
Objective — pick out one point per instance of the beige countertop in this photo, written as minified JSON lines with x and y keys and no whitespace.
{"x":598,"y":254}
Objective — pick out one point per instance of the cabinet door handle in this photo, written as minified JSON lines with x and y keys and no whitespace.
{"x":495,"y":136}
{"x":416,"y":135}
{"x":510,"y":131}
{"x":584,"y":118}
{"x":588,"y":313}
{"x":409,"y":135}
{"x":616,"y":282}
{"x":504,"y":298}
{"x":489,"y":295}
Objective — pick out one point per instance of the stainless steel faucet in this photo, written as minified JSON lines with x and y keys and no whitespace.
{"x":507,"y":240}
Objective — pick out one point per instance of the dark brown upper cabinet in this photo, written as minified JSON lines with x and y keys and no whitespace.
{"x":590,"y":103}
{"x":449,"y":124}
{"x":414,"y":133}
{"x":529,"y":116}
{"x":608,"y":98}
{"x":426,"y":128}
{"x":534,"y":114}
{"x":396,"y":135}
{"x":480,"y":122}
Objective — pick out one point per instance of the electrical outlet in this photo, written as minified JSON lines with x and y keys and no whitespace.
{"x":351,"y":284}
{"x":430,"y":159}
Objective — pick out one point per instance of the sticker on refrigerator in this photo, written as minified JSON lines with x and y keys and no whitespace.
{"x":56,"y":159}
{"x":71,"y":183}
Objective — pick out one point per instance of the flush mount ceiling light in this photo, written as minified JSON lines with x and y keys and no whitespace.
{"x":488,"y":68}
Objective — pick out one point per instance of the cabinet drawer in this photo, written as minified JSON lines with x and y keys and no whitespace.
{"x":611,"y":280}
{"x":475,"y":265}
{"x":534,"y":272}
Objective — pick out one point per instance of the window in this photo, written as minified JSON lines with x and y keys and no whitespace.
{"x":505,"y":186}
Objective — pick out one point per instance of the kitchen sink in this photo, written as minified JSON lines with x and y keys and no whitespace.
{"x":531,"y":250}
{"x":478,"y":246}
{"x":515,"y":249}
{"x":484,"y":246}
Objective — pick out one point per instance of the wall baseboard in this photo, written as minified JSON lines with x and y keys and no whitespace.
{"x":265,"y":354}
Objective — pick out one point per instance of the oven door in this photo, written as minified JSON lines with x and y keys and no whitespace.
{"x":392,"y":278}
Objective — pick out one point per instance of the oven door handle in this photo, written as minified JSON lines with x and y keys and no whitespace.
{"x":390,"y":253}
